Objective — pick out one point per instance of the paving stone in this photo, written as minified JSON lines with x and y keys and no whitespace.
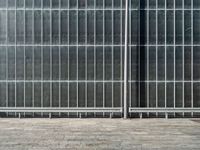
{"x":61,"y":134}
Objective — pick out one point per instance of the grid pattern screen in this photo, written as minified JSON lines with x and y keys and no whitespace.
{"x":61,"y":53}
{"x":164,"y":53}
{"x":70,"y":53}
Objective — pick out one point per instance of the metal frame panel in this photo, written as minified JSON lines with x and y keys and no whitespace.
{"x":139,"y":93}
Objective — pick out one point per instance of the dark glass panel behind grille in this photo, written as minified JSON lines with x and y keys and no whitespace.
{"x":69,"y":53}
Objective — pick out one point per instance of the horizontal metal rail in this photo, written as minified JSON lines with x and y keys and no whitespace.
{"x":96,"y":45}
{"x":60,"y":109}
{"x":81,"y":9}
{"x":164,"y":110}
{"x":99,"y":81}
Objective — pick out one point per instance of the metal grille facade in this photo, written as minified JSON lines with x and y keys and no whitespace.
{"x":164,"y":56}
{"x":100,"y":57}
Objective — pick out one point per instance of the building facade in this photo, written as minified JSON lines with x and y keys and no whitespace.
{"x":100,"y":57}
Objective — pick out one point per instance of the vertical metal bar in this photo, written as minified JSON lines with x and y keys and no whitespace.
{"x":77,"y":47}
{"x":59,"y":33}
{"x":147,"y":54}
{"x":7,"y":54}
{"x":33,"y":57}
{"x":24,"y":56}
{"x":183,"y":55}
{"x":15,"y":54}
{"x":86,"y":101}
{"x":156,"y":55}
{"x":130,"y":54}
{"x":42,"y":96}
{"x":68,"y":57}
{"x":95,"y":55}
{"x":51,"y":91}
{"x":192,"y":51}
{"x":174,"y":56}
{"x":165,"y":54}
{"x":121,"y":56}
{"x":112,"y":53}
{"x":125,"y":60}
{"x":139,"y":78}
{"x":103,"y":54}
